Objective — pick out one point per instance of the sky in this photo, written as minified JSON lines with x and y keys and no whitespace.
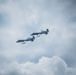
{"x":52,"y":54}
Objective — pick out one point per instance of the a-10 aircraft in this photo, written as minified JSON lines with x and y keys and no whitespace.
{"x":33,"y":36}
{"x":39,"y":33}
{"x":25,"y":40}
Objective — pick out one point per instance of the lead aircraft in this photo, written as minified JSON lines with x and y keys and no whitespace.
{"x":40,"y":33}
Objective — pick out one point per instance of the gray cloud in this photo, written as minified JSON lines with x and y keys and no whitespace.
{"x":24,"y":17}
{"x":3,"y":19}
{"x":50,"y":66}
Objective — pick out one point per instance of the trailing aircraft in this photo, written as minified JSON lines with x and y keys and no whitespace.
{"x":23,"y":41}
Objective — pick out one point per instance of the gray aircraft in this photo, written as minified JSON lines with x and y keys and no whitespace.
{"x":39,"y":33}
{"x":25,"y":40}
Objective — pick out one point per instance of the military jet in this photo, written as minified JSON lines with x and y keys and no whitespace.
{"x":39,"y":33}
{"x":25,"y":40}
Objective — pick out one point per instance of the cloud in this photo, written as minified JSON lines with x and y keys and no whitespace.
{"x":45,"y":66}
{"x":20,"y":18}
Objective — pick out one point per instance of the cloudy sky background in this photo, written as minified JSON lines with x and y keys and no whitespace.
{"x":52,"y":54}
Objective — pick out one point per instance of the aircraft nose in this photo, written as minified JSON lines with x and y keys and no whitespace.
{"x":16,"y":41}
